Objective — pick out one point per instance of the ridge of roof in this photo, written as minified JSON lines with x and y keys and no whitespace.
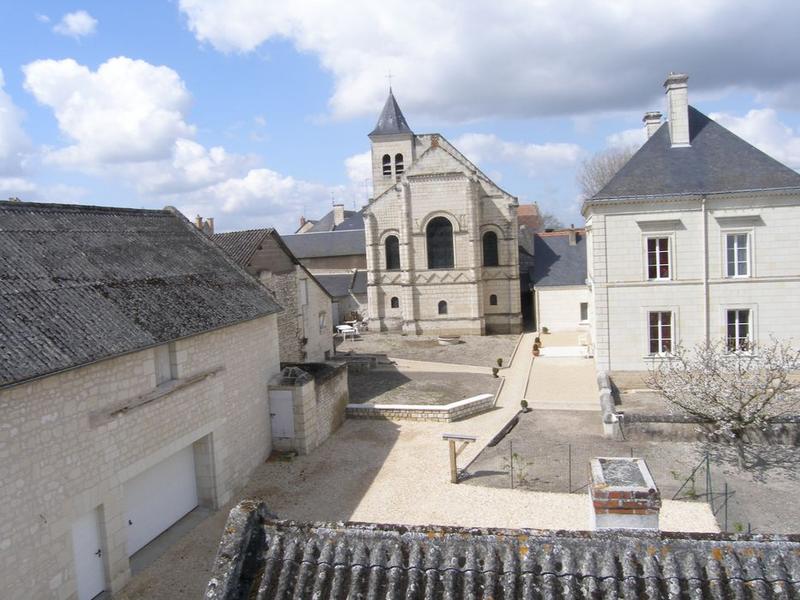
{"x":391,"y":120}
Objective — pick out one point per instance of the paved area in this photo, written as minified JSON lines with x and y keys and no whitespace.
{"x":379,"y":471}
{"x":387,"y":385}
{"x":482,"y":351}
{"x":563,"y":384}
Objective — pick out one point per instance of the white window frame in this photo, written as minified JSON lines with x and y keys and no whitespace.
{"x":726,"y":233}
{"x":675,"y":319}
{"x":751,"y":333}
{"x":670,"y":256}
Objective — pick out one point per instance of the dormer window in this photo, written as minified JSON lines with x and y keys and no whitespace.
{"x":387,"y":165}
{"x":398,"y":164}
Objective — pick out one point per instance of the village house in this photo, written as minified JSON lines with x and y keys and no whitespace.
{"x":306,"y":324}
{"x":692,"y":241}
{"x":562,"y":298}
{"x":441,"y":238}
{"x":133,"y":388}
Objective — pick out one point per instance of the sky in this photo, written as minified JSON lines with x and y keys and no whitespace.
{"x":256,"y":112}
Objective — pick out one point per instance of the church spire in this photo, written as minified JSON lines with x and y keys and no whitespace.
{"x":391,"y":120}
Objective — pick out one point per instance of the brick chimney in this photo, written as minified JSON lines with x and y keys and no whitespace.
{"x":338,"y":214}
{"x":623,"y":494}
{"x":204,"y":225}
{"x":652,"y":121}
{"x":678,"y":109}
{"x":573,"y":236}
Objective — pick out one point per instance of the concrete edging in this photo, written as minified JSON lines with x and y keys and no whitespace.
{"x":424,"y":412}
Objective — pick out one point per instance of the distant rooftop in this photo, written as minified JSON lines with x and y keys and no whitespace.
{"x":329,"y":243}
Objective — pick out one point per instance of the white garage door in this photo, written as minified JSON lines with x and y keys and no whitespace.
{"x":157,"y":498}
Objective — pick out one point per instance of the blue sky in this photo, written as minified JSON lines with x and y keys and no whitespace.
{"x":255,"y":112}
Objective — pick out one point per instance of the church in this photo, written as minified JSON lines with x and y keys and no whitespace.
{"x":441,"y":238}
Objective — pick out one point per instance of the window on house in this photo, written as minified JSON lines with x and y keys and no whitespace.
{"x":442,"y":307}
{"x":395,"y":302}
{"x":737,"y":246}
{"x":660,"y":332}
{"x":387,"y":165}
{"x":398,"y":164}
{"x":439,"y":235}
{"x":490,"y":258}
{"x":493,"y":300}
{"x":739,"y":330}
{"x":322,"y":319}
{"x":584,"y":311}
{"x":392,"y":247}
{"x":166,"y":363}
{"x":658,"y":258}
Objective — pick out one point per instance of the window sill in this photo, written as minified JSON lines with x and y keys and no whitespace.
{"x":660,"y":280}
{"x":108,"y":414}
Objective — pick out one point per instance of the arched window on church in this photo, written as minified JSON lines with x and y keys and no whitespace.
{"x":387,"y":165}
{"x":392,"y":247}
{"x":442,"y":307}
{"x":395,"y":302}
{"x":398,"y":164}
{"x":490,"y":258}
{"x":439,"y":235}
{"x":493,"y":300}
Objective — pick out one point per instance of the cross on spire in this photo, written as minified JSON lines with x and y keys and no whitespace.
{"x":389,"y":77}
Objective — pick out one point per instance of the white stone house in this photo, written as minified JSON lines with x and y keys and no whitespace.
{"x":562,"y":297}
{"x":693,"y":240}
{"x":305,"y":326}
{"x":133,"y":387}
{"x":441,"y":238}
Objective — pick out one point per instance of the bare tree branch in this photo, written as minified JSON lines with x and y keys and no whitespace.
{"x":595,"y":172}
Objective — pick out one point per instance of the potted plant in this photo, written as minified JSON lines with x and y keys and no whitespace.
{"x":524,"y":405}
{"x":536,"y":349}
{"x":495,"y":370}
{"x":499,"y":362}
{"x":545,"y":330}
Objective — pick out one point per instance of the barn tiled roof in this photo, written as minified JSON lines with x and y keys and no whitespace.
{"x":328,"y":243}
{"x":716,"y":161}
{"x":241,"y":245}
{"x":80,"y":284}
{"x":555,"y":262}
{"x":264,"y":558}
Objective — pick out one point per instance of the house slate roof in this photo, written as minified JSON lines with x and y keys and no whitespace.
{"x":555,"y":262}
{"x":80,"y":284}
{"x":391,"y":120}
{"x":716,"y":161}
{"x":241,"y":245}
{"x":352,"y":220}
{"x":327,"y":243}
{"x":266,"y":558}
{"x":341,"y":284}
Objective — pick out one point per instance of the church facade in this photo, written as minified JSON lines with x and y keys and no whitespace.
{"x":441,"y":238}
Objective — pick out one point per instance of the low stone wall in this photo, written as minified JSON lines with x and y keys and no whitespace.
{"x":445,"y":413}
{"x":677,"y":428}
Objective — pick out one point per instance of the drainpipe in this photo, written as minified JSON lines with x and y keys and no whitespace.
{"x":705,"y":268}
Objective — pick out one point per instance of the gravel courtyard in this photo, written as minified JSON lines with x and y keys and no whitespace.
{"x":476,"y":350}
{"x":391,"y":386}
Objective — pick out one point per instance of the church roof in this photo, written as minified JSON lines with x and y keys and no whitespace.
{"x":391,"y":120}
{"x":716,"y":161}
{"x":79,"y":284}
{"x":259,"y":556}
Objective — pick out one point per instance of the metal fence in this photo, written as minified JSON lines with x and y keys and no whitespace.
{"x":564,"y":468}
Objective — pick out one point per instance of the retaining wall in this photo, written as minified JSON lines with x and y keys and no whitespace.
{"x":445,"y":413}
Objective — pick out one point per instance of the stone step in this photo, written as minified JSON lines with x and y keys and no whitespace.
{"x":552,"y":405}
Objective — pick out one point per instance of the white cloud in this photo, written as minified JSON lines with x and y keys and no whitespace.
{"x":627,"y":138}
{"x":534,"y":158}
{"x":763,"y":129}
{"x":359,"y":168}
{"x":75,"y":24}
{"x":125,"y":111}
{"x":14,"y":143}
{"x":42,"y":18}
{"x":515,"y":58}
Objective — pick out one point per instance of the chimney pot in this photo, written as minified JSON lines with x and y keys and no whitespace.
{"x":652,"y":121}
{"x":573,"y":236}
{"x":338,"y":214}
{"x":678,"y":109}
